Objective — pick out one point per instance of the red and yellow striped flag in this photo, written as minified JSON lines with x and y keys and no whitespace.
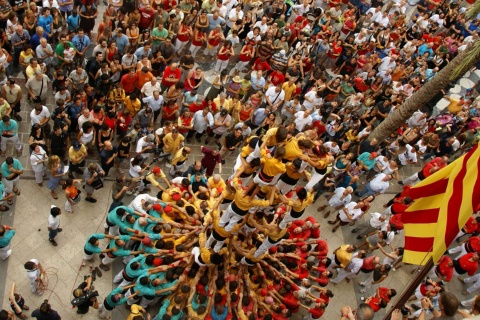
{"x":443,"y":202}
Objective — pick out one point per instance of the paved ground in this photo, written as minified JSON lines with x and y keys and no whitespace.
{"x":29,"y":217}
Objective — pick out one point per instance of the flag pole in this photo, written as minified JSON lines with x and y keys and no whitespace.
{"x":410,"y":290}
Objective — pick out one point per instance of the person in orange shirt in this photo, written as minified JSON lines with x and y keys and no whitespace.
{"x":143,"y":77}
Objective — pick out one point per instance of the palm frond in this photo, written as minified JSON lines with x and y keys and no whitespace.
{"x":469,"y":59}
{"x":474,"y":10}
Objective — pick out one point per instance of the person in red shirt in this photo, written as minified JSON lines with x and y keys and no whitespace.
{"x":467,"y":263}
{"x":171,"y":76}
{"x":443,"y":270}
{"x":472,"y":244}
{"x":317,"y":311}
{"x":276,"y":78}
{"x":399,"y":206}
{"x":385,"y":293}
{"x":129,"y":81}
{"x":376,"y":303}
{"x":430,"y":168}
{"x":321,"y":248}
{"x":146,"y":17}
{"x":472,"y":226}
{"x":196,"y":106}
{"x":261,"y":64}
{"x":315,"y":229}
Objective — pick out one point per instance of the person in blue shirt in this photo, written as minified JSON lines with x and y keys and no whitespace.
{"x":92,"y":246}
{"x":73,"y":21}
{"x":121,"y":40}
{"x":6,"y":235}
{"x":81,"y":42}
{"x":9,"y":132}
{"x":3,"y":196}
{"x":114,"y":299}
{"x":118,"y":249}
{"x":35,"y":39}
{"x":11,"y":171}
{"x":45,"y":21}
{"x":134,"y":269}
{"x":115,"y":219}
{"x":145,"y":50}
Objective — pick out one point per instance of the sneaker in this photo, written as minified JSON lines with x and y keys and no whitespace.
{"x":223,"y":161}
{"x":17,"y":117}
{"x":9,"y":252}
{"x":53,"y":242}
{"x":168,"y":165}
{"x":92,"y":200}
{"x":59,"y":229}
{"x":400,"y":182}
{"x":363,"y":291}
{"x":362,"y":284}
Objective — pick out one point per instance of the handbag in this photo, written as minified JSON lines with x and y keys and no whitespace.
{"x":38,"y":99}
{"x":97,"y":184}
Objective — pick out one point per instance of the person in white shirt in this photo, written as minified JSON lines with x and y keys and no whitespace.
{"x":312,"y":99}
{"x":383,"y":20}
{"x":348,"y":213}
{"x":202,"y":119}
{"x":233,"y":38}
{"x":149,"y":87}
{"x":233,"y":16}
{"x":86,"y":116}
{"x":409,"y":156}
{"x":37,"y":160}
{"x":340,"y":197}
{"x":274,"y":97}
{"x":352,"y":268}
{"x":40,"y":114}
{"x":300,"y":9}
{"x":376,"y":222}
{"x":254,"y":35}
{"x":302,"y":119}
{"x":378,"y":185}
{"x":262,"y":24}
{"x":54,"y":224}
{"x":380,"y":163}
{"x":376,"y":13}
{"x":290,"y":109}
{"x":143,"y":203}
{"x":34,"y":274}
{"x":333,"y":147}
{"x":388,"y":63}
{"x":145,"y":145}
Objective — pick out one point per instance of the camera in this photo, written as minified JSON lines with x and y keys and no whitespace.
{"x":83,"y":296}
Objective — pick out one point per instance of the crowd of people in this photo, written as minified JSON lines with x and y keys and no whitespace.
{"x":297,"y":90}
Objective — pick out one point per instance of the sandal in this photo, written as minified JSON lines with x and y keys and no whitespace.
{"x":4,"y":208}
{"x":10,"y":201}
{"x":17,"y":192}
{"x":26,"y":308}
{"x":104,"y":267}
{"x":54,"y":195}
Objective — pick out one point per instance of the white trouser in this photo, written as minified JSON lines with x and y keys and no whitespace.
{"x":247,"y":230}
{"x":5,"y":252}
{"x":476,"y":283}
{"x":286,"y":219}
{"x":457,"y":249}
{"x":194,"y":49}
{"x":210,"y":52}
{"x":237,"y":165}
{"x":13,"y":139}
{"x":177,"y":168}
{"x":368,"y":283}
{"x":342,"y":274}
{"x":218,"y":245}
{"x":433,"y":275}
{"x":10,"y":184}
{"x":260,"y":182}
{"x":113,"y":231}
{"x":468,"y":303}
{"x":410,"y":181}
{"x":103,"y":313}
{"x":68,"y":206}
{"x":459,"y":235}
{"x":316,"y":177}
{"x":133,"y":300}
{"x":241,"y":65}
{"x":118,"y":277}
{"x":33,"y":285}
{"x":107,"y":260}
{"x":256,"y":152}
{"x":144,"y":303}
{"x":220,"y":65}
{"x":229,"y":219}
{"x":39,"y":175}
{"x":196,"y":254}
{"x":88,"y":257}
{"x":266,"y":245}
{"x":224,"y":206}
{"x":179,"y":45}
{"x":388,"y":211}
{"x":283,"y":187}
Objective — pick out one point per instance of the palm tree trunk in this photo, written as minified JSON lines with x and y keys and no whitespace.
{"x":422,"y":96}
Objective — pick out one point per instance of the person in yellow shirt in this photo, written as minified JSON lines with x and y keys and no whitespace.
{"x":342,"y":256}
{"x":152,"y":176}
{"x":240,"y":206}
{"x":179,"y":159}
{"x":172,"y":142}
{"x":216,"y":185}
{"x":289,"y":88}
{"x":132,"y":103}
{"x":319,"y":160}
{"x":274,"y":234}
{"x":295,"y":148}
{"x":274,"y":137}
{"x":137,"y":311}
{"x":247,"y":149}
{"x":297,"y":207}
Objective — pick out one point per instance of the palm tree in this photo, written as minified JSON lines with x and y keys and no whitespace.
{"x":454,"y":70}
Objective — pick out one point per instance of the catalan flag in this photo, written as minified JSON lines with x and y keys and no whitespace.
{"x":443,"y":202}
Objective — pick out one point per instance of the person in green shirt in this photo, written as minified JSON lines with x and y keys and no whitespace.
{"x":59,"y":49}
{"x":158,"y":35}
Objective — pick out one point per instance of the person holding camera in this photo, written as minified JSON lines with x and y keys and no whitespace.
{"x":45,"y":312}
{"x":93,"y":180}
{"x":87,"y":298}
